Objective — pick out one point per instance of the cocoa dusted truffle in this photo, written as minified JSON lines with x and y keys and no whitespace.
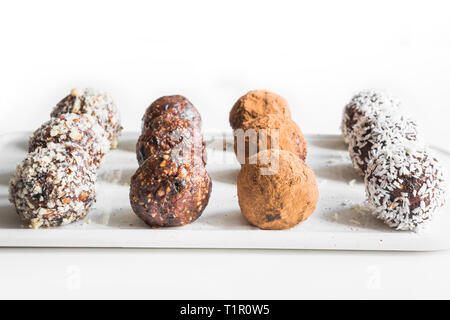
{"x":262,"y":120}
{"x":404,"y":186}
{"x":73,"y":129}
{"x":278,"y":192}
{"x":53,"y":186}
{"x":255,"y":104}
{"x":361,"y":104}
{"x":374,"y":131}
{"x":166,"y":192}
{"x":269,"y":132}
{"x":95,"y":103}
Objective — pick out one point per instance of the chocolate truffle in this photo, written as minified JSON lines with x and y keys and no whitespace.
{"x":278,"y":194}
{"x":53,"y":186}
{"x":73,"y":129}
{"x":171,"y":186}
{"x":95,"y":103}
{"x":171,"y":107}
{"x":172,"y":124}
{"x":167,"y":192}
{"x":374,"y":131}
{"x":170,"y":138}
{"x":404,"y":186}
{"x":269,"y":132}
{"x":255,"y":104}
{"x":361,"y":104}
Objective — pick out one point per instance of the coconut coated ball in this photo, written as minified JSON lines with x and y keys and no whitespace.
{"x":405,"y":185}
{"x":375,"y":131}
{"x":362,"y":103}
{"x":278,"y":194}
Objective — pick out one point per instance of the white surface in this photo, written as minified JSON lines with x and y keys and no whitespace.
{"x":221,"y":274}
{"x":334,"y":225}
{"x":325,"y":50}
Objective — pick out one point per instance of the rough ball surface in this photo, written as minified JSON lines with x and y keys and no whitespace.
{"x":53,"y":186}
{"x":362,"y":103}
{"x":404,"y":186}
{"x":97,"y":104}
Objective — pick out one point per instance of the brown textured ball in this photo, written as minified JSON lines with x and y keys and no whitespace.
{"x":255,"y":104}
{"x":168,"y":192}
{"x":288,"y":137}
{"x":171,"y":186}
{"x":171,"y":107}
{"x":53,"y":186}
{"x":280,"y":200}
{"x":168,"y":123}
{"x":97,"y":104}
{"x":73,"y":129}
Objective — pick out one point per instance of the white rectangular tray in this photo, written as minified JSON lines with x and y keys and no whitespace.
{"x":339,"y":223}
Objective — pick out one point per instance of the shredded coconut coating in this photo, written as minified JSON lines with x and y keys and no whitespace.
{"x":362,"y":103}
{"x":53,"y":186}
{"x":405,"y":185}
{"x":73,"y":129}
{"x":95,"y":103}
{"x":375,"y":130}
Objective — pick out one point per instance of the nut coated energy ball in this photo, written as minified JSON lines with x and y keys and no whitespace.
{"x":97,"y":104}
{"x":73,"y":129}
{"x":53,"y":186}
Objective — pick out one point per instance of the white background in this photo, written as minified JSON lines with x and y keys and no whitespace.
{"x":316,"y":54}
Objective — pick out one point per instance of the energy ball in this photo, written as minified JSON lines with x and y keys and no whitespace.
{"x":171,"y":139}
{"x":171,"y":186}
{"x":282,"y":199}
{"x":269,"y":132}
{"x":171,"y":107}
{"x":374,"y":131}
{"x":73,"y":129}
{"x":171,"y":124}
{"x":404,"y":186}
{"x":255,"y":104}
{"x":53,"y":186}
{"x":97,"y":104}
{"x":361,"y":104}
{"x":166,"y":192}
